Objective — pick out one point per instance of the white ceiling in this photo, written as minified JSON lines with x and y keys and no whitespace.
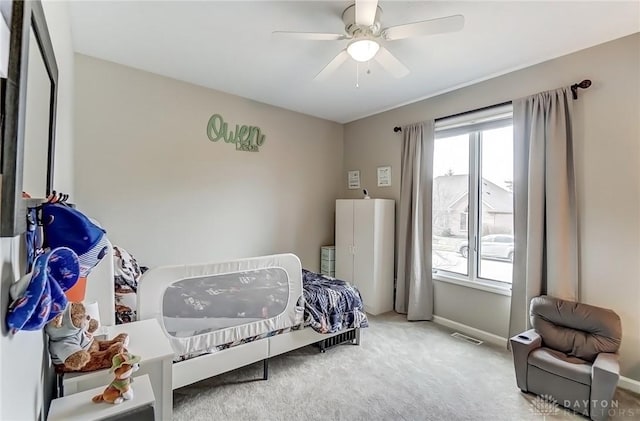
{"x":227,"y":45}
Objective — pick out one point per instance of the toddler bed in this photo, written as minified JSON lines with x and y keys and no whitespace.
{"x":222,"y":316}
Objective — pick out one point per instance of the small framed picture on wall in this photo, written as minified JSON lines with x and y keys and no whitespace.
{"x":384,"y":176}
{"x":353,"y":179}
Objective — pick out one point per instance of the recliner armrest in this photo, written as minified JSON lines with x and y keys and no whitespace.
{"x":606,"y":363}
{"x":530,"y":338}
{"x":605,"y":373}
{"x":521,"y":347}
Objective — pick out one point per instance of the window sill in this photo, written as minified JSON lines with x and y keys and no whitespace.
{"x":483,"y":286}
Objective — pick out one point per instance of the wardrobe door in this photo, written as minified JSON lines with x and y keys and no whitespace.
{"x":384,"y":243}
{"x":364,"y":247}
{"x":344,"y":240}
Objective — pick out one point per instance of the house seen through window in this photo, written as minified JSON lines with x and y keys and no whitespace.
{"x":473,"y":196}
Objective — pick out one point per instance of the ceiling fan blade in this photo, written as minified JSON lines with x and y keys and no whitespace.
{"x":366,"y":12}
{"x":313,"y":36}
{"x":332,"y":66}
{"x":390,"y":63}
{"x":425,"y":27}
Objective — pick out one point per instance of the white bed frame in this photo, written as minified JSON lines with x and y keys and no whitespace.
{"x":208,"y":365}
{"x":199,"y":368}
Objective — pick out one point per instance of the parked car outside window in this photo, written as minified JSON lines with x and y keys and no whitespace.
{"x":499,"y":246}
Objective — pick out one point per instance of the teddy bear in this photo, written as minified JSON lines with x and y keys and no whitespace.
{"x":72,"y":345}
{"x":123,"y":365}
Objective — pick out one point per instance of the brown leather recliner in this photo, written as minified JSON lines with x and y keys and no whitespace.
{"x":570,"y":355}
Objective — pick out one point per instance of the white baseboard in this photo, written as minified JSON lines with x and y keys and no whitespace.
{"x":471,"y":331}
{"x":629,"y":384}
{"x":624,"y":382}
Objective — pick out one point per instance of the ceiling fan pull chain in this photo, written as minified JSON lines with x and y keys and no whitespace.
{"x":357,"y":75}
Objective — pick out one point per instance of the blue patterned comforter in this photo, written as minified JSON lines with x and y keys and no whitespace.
{"x":331,"y":304}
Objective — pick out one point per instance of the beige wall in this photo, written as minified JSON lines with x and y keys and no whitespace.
{"x":23,"y":359}
{"x":608,"y":178}
{"x":147,"y":171}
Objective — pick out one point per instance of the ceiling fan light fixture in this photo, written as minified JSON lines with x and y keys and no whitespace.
{"x":363,"y":49}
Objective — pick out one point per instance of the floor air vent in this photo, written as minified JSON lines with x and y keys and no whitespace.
{"x":466,"y":338}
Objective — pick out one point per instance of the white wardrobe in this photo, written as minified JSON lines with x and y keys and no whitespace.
{"x":364,"y":249}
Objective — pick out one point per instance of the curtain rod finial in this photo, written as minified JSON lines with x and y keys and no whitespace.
{"x":582,"y":85}
{"x":397,"y":129}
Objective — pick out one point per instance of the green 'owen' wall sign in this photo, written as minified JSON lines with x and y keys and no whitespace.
{"x":246,"y":138}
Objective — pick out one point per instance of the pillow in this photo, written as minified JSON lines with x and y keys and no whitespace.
{"x":577,"y":329}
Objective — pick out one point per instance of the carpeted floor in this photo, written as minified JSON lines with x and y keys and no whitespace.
{"x":401,"y":371}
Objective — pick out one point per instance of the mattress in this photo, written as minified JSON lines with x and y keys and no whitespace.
{"x":204,"y":307}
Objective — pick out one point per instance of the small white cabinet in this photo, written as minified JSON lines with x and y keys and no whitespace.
{"x":147,"y":340}
{"x":79,"y":407}
{"x":364,"y":249}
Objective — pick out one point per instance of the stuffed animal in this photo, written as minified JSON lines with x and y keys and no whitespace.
{"x":72,"y":345}
{"x":123,"y":366}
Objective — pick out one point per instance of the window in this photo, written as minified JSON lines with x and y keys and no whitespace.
{"x":472,"y":196}
{"x":464,"y":218}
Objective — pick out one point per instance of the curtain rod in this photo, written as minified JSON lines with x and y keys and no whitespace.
{"x":574,"y":90}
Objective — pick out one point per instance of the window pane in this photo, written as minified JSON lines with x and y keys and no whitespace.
{"x":496,"y":207}
{"x":451,"y":204}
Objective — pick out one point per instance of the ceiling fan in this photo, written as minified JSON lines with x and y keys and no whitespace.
{"x":362,"y":27}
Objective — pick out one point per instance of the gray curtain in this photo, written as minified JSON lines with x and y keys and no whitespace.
{"x":546,"y":228}
{"x":414,"y":289}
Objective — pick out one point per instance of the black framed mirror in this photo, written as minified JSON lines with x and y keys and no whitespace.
{"x":28,"y":108}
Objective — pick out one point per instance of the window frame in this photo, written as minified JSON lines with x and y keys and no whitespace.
{"x":473,"y":124}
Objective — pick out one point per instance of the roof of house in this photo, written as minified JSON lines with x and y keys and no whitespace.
{"x":496,"y":198}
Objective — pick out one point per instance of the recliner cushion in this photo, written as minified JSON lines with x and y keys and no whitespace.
{"x":576,"y":329}
{"x":557,"y":363}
